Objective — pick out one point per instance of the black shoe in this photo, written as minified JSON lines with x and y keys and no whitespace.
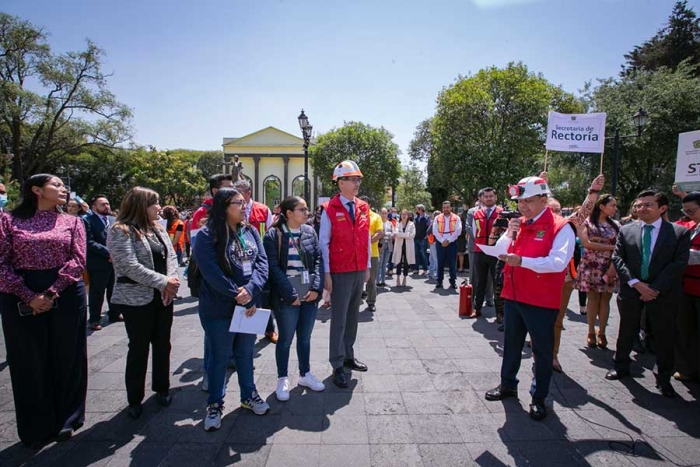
{"x":164,"y":399}
{"x":614,"y":375}
{"x":372,"y":307}
{"x":499,"y":393}
{"x":438,"y":286}
{"x":135,"y":411}
{"x":666,"y":389}
{"x":339,"y":378}
{"x":355,"y":364}
{"x":64,"y":435}
{"x":116,"y":318}
{"x":538,"y":411}
{"x":364,"y":295}
{"x":502,"y":328}
{"x":453,"y":285}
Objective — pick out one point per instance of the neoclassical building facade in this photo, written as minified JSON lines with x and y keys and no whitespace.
{"x":273,"y":160}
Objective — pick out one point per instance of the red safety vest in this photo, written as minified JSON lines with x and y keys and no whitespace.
{"x":691,"y":277}
{"x":525,"y":285}
{"x":440,"y":219}
{"x":484,"y":226}
{"x":348,"y":248}
{"x":258,"y":217}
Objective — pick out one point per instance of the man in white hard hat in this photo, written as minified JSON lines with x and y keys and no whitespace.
{"x":344,"y":238}
{"x":532,"y":283}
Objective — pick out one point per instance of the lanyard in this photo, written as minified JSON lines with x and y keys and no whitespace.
{"x":296,"y":243}
{"x":240,"y":246}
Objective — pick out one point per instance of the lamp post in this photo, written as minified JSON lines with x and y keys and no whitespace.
{"x":306,"y":132}
{"x":640,"y":120}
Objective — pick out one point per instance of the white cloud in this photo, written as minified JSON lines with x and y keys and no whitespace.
{"x":500,"y":3}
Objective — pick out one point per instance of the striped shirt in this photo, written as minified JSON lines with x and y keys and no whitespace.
{"x":294,"y":264}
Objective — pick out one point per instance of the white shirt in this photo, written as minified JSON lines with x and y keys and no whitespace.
{"x":654,"y":236}
{"x":447,"y":235}
{"x":324,"y":236}
{"x":559,"y":256}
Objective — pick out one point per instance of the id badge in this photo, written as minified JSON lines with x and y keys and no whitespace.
{"x":247,"y":267}
{"x":305,"y":277}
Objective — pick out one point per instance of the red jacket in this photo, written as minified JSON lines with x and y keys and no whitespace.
{"x":525,"y":285}
{"x":691,"y":277}
{"x":348,"y":250}
{"x":258,"y":217}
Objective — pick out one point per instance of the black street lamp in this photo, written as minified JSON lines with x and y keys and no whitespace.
{"x":306,"y":132}
{"x":640,"y":121}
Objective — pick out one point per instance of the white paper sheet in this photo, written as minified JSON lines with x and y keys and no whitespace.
{"x":255,"y":324}
{"x":495,"y":250}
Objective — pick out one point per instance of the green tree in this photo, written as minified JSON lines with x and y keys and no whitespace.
{"x":672,"y":100}
{"x":72,"y":110}
{"x":678,"y":40}
{"x":488,"y":130}
{"x":412,"y":189}
{"x":373,"y":149}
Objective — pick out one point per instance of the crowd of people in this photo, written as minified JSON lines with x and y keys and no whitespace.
{"x":242,"y":254}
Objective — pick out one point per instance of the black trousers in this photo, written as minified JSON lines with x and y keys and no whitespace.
{"x":485,"y":266}
{"x":47,"y":356}
{"x":662,"y":314}
{"x":403,"y":266}
{"x":687,"y":347}
{"x":101,"y":280}
{"x":146,"y":326}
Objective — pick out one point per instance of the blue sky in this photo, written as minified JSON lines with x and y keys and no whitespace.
{"x":195,"y":72}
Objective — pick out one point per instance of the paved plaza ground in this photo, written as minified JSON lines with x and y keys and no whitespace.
{"x":420,"y":404}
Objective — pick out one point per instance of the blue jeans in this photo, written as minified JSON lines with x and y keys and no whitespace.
{"x":421,"y":246}
{"x":432,"y":267}
{"x":447,"y":254}
{"x":384,"y":257}
{"x":520,"y":319}
{"x":291,"y":319}
{"x":218,"y":344}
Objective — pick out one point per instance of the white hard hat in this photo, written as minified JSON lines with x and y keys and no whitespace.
{"x":346,"y":169}
{"x":528,"y":187}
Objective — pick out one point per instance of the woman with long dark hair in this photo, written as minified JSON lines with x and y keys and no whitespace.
{"x":145,"y":267}
{"x":42,"y":300}
{"x":231,"y":258}
{"x":404,"y":251}
{"x":294,"y":260}
{"x":596,"y":272}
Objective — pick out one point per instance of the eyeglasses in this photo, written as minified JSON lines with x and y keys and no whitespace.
{"x":237,"y":203}
{"x":352,"y":180}
{"x":690,"y":212}
{"x":643,"y":205}
{"x":304,"y":210}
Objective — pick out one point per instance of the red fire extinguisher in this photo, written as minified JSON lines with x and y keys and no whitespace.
{"x":465,"y":298}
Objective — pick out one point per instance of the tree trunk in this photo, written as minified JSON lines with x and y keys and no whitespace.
{"x":17,"y":169}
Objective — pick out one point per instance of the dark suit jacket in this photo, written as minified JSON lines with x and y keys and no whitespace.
{"x":668,"y":259}
{"x":96,"y":235}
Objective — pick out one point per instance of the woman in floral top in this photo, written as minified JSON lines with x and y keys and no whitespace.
{"x":42,"y":300}
{"x":596,"y":273}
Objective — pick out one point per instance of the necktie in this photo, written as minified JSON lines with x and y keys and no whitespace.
{"x":351,"y":210}
{"x":488,"y":213}
{"x":646,"y":251}
{"x":106,"y":221}
{"x":529,"y":221}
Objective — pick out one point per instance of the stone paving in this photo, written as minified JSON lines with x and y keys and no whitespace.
{"x":421,"y":403}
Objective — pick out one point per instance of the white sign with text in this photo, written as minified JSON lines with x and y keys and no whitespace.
{"x":576,"y":132}
{"x":688,"y":161}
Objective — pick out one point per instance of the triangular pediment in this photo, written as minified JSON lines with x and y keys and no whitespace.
{"x":269,"y":136}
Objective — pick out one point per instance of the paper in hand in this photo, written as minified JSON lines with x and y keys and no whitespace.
{"x":495,"y":250}
{"x":255,"y":324}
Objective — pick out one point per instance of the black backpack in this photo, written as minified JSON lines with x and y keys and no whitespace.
{"x":194,"y":275}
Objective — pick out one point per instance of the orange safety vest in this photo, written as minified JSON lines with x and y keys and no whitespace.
{"x":440,"y":219}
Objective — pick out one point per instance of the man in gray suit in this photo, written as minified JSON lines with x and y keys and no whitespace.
{"x":650,"y":258}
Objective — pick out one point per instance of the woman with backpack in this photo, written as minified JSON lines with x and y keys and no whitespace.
{"x":296,"y":269}
{"x":231,"y":258}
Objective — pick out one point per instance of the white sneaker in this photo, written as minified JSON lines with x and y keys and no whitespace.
{"x":282,"y":391}
{"x":212,"y":421}
{"x":310,"y":381}
{"x":256,"y":404}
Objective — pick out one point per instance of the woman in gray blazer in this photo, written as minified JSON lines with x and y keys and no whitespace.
{"x":145,"y":267}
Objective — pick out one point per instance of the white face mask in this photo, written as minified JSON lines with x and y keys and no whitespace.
{"x":3,"y":201}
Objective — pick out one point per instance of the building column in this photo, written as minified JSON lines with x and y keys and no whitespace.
{"x":256,"y":177}
{"x":286,"y":177}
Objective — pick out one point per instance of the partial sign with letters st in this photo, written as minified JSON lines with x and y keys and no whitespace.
{"x":688,"y":161}
{"x":576,"y":132}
